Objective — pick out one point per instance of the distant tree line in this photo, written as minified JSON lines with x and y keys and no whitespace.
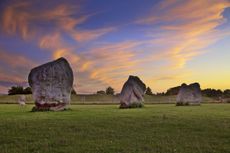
{"x":216,"y":93}
{"x":108,"y":91}
{"x":205,"y":92}
{"x":15,"y":90}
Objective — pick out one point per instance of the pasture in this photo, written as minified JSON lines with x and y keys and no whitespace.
{"x":159,"y":128}
{"x":100,"y":99}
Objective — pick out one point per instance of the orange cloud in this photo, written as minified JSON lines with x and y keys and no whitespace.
{"x":187,"y":28}
{"x":14,"y":20}
{"x":19,"y":18}
{"x":191,"y":26}
{"x":51,"y":41}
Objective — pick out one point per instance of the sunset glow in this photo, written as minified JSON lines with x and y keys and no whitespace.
{"x":165,"y":43}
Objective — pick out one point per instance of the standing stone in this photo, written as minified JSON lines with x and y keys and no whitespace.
{"x":189,"y":94}
{"x":22,"y":100}
{"x":51,"y":85}
{"x":132,"y":93}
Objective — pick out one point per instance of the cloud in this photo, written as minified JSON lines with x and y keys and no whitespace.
{"x":101,"y":66}
{"x":87,"y":35}
{"x":25,"y":18}
{"x":177,"y":32}
{"x":191,"y":26}
{"x":14,"y":20}
{"x":15,"y":61}
{"x":14,"y":69}
{"x":49,"y":26}
{"x":51,"y":41}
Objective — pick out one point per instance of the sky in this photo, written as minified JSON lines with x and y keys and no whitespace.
{"x":164,"y":42}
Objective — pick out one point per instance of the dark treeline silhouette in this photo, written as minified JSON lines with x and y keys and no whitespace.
{"x":205,"y":92}
{"x":15,"y":90}
{"x":108,"y":91}
{"x":73,"y":92}
{"x":173,"y":91}
{"x":149,"y":91}
{"x":216,"y":93}
{"x":209,"y":92}
{"x":101,"y":92}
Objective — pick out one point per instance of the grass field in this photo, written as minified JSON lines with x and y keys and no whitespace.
{"x":107,"y":129}
{"x":99,"y":99}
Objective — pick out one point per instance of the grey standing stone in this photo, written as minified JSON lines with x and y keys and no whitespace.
{"x":22,"y":100}
{"x":51,"y":85}
{"x":132,"y":93}
{"x":189,"y":94}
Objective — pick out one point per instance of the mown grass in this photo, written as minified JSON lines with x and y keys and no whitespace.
{"x":107,"y":129}
{"x":99,"y":99}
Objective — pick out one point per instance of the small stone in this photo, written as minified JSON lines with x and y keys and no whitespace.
{"x":22,"y":100}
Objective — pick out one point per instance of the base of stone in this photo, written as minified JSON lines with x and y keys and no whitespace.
{"x":49,"y":107}
{"x":36,"y":109}
{"x":133,"y":105}
{"x":187,"y":104}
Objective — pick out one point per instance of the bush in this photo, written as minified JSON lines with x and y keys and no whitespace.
{"x":173,"y":91}
{"x":109,"y":91}
{"x":136,"y":105}
{"x":182,"y":104}
{"x":133,"y":105}
{"x":149,"y":91}
{"x":15,"y":90}
{"x":27,"y":90}
{"x":212,"y":92}
{"x":73,"y":92}
{"x":101,"y":92}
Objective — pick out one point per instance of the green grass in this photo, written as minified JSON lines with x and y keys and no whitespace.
{"x":99,"y":99}
{"x":107,"y":129}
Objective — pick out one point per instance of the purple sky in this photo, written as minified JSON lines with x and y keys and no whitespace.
{"x":165,"y":42}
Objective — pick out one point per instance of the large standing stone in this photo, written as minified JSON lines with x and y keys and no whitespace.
{"x":51,"y":85}
{"x":132,"y":93}
{"x":189,"y":94}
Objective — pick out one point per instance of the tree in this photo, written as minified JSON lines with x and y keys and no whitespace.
{"x":109,"y":91}
{"x":160,"y":94}
{"x":27,"y":90}
{"x":16,"y":90}
{"x":148,"y":91}
{"x":101,"y":92}
{"x":73,"y":92}
{"x":227,"y":93}
{"x":212,"y":92}
{"x":173,"y":91}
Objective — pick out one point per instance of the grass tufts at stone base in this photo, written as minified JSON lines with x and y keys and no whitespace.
{"x":187,"y":104}
{"x":133,"y":105}
{"x":36,"y":109}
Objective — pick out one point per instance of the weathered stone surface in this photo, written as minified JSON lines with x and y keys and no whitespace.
{"x":22,"y":100}
{"x":51,"y":85}
{"x":132,"y":93}
{"x":189,"y":94}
